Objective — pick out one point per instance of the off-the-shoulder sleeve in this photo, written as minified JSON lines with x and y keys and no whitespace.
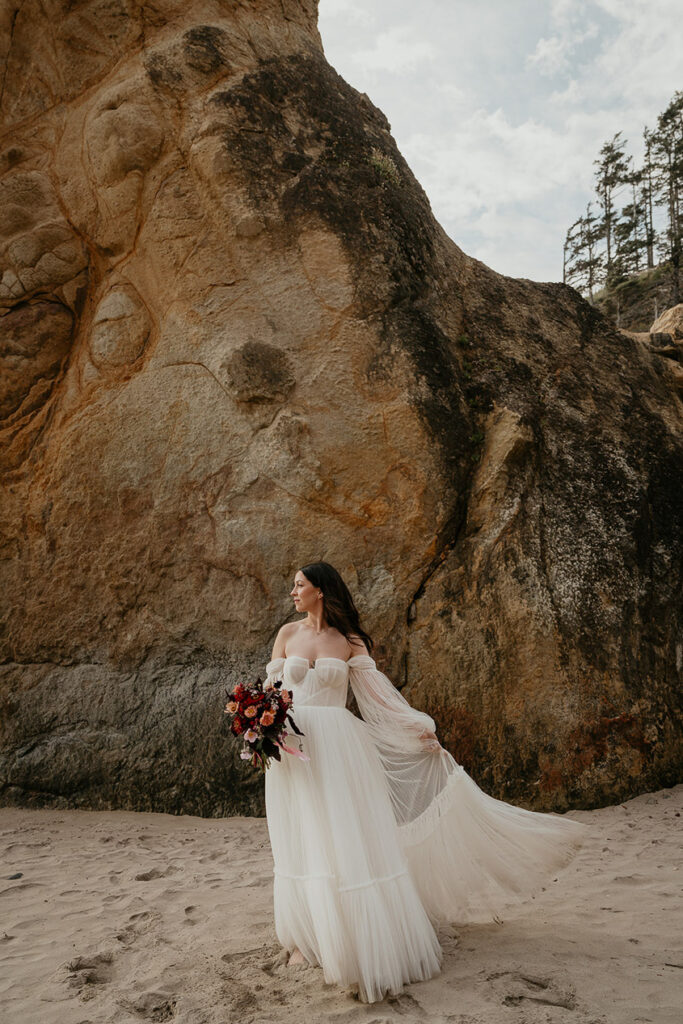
{"x":410,"y":754}
{"x":385,"y":707}
{"x":470,"y":855}
{"x":274,"y":669}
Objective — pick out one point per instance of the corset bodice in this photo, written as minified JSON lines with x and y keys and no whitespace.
{"x":324,"y":684}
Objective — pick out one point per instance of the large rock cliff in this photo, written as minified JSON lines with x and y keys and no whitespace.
{"x":235,"y":340}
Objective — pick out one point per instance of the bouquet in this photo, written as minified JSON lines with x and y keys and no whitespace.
{"x":259,"y":714}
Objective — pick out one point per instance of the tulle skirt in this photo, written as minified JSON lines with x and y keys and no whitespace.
{"x":360,"y":895}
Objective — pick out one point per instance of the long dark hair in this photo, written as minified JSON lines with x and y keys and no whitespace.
{"x":338,"y":605}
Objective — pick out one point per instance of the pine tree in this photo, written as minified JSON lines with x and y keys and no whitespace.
{"x":589,"y":263}
{"x":647,"y":198}
{"x":603,"y":249}
{"x":630,"y":231}
{"x":571,"y":251}
{"x":612,"y":168}
{"x":667,"y":151}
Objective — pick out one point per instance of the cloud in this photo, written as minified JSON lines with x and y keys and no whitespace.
{"x":395,"y":50}
{"x":637,"y":63}
{"x":349,"y":10}
{"x":501,"y":108}
{"x":487,"y":159}
{"x":506,"y":192}
{"x":549,"y":57}
{"x":552,"y":56}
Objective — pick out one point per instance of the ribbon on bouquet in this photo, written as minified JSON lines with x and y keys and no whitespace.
{"x":297,"y":753}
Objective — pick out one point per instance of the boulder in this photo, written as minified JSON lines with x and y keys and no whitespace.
{"x":235,"y":340}
{"x":670,"y":323}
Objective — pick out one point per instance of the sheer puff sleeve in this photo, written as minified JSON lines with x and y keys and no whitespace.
{"x":470,"y":855}
{"x":274,"y":670}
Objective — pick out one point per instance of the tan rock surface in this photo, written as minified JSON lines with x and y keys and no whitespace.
{"x":235,"y":340}
{"x":670,"y":322}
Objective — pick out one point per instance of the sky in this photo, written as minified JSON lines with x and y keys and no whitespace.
{"x":500,"y":107}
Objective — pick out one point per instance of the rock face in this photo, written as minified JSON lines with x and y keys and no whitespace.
{"x":633,"y":302}
{"x":670,"y":322}
{"x":235,"y":340}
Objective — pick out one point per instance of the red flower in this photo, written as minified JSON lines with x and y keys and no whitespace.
{"x":259,"y":714}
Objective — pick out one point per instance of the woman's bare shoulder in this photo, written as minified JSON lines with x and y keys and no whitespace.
{"x":283,"y":635}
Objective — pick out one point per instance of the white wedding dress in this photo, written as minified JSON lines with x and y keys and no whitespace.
{"x":379,"y":838}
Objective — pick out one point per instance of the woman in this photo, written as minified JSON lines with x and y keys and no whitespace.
{"x":381,"y":836}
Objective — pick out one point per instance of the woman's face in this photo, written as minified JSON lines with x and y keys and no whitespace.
{"x":305,"y":594}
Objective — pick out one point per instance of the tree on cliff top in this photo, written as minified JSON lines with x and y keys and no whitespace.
{"x":668,"y":158}
{"x":608,"y":251}
{"x":611,"y":171}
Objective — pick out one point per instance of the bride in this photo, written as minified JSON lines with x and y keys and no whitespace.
{"x":381,"y":836}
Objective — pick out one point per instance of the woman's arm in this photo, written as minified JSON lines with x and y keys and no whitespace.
{"x":379,"y":701}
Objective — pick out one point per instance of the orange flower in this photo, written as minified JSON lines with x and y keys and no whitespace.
{"x":267,"y":718}
{"x":251,"y":711}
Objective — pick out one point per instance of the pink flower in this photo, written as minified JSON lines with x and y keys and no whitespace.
{"x":250,"y":735}
{"x":267,"y":718}
{"x":231,"y":707}
{"x":251,"y":711}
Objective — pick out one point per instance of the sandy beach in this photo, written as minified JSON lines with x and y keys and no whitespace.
{"x":124,"y":916}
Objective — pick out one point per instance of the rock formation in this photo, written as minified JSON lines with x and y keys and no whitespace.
{"x":670,"y":322}
{"x":665,"y":338}
{"x":632,"y":303}
{"x":235,"y":340}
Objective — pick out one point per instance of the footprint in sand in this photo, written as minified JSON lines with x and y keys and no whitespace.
{"x":193,"y":915}
{"x":21,"y":887}
{"x":137,"y":925}
{"x":215,"y":856}
{"x":85,"y":973}
{"x":148,"y":876}
{"x":405,"y":1003}
{"x":516,"y":987}
{"x":153,"y":1006}
{"x":239,"y":998}
{"x":254,"y":961}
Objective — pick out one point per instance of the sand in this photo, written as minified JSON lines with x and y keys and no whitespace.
{"x":124,"y":916}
